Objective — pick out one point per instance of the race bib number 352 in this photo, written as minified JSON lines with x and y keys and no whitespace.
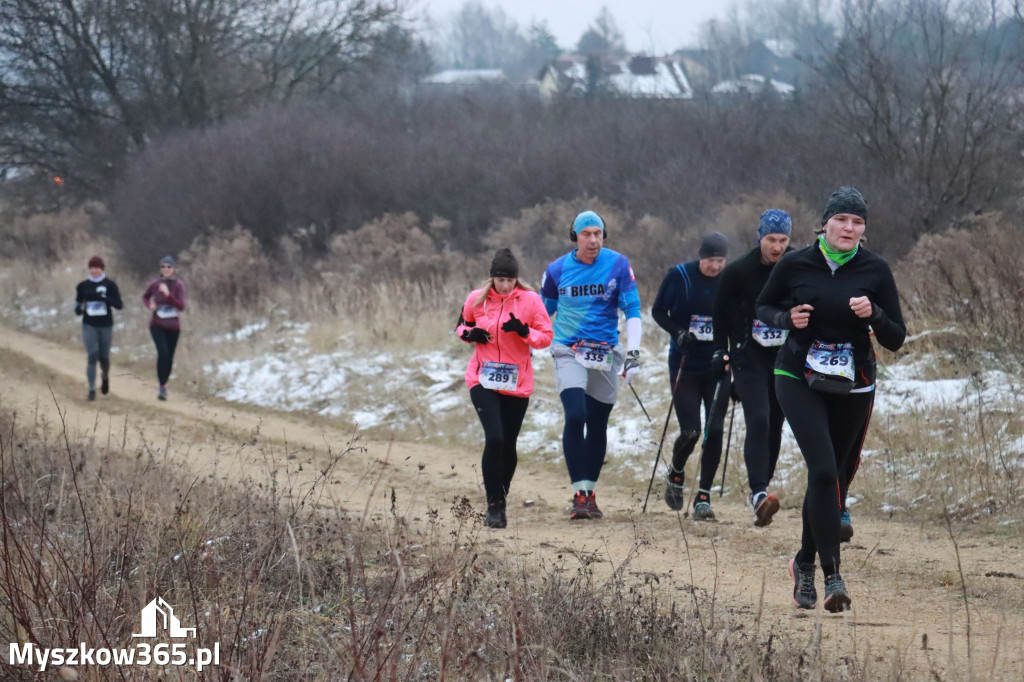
{"x":499,"y":376}
{"x":831,"y":358}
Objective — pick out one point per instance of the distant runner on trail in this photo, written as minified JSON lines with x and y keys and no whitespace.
{"x":830,"y":296}
{"x":165,"y":296}
{"x":584,"y":291}
{"x":503,"y":320}
{"x":683,"y":308}
{"x":95,"y":299}
{"x":751,"y":347}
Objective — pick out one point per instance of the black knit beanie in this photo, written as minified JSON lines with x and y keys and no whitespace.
{"x":714,"y":245}
{"x":845,"y":200}
{"x":504,"y":264}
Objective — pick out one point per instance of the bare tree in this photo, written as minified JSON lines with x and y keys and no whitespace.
{"x":84,"y":82}
{"x":603,"y":37}
{"x":931,"y":90}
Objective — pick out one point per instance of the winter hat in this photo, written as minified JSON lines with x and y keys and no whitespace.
{"x":167,"y":260}
{"x":97,"y":262}
{"x":504,"y":264}
{"x":585,"y":220}
{"x":714,"y":245}
{"x":845,"y":200}
{"x":774,"y":221}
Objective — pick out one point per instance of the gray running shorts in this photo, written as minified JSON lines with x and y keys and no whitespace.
{"x":602,"y":386}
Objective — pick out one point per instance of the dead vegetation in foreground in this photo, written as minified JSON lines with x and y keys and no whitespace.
{"x":292,"y":587}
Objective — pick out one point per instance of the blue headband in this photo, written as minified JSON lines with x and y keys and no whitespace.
{"x":774,"y":221}
{"x":585,"y":220}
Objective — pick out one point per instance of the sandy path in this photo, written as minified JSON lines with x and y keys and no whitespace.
{"x":903,"y":578}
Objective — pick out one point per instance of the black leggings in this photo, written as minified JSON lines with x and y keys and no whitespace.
{"x":755,"y":386}
{"x":694,"y":389}
{"x":166,"y":341}
{"x":502,"y":417}
{"x":827,"y":429}
{"x":853,"y":458}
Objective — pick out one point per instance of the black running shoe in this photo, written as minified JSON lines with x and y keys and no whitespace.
{"x":105,"y":384}
{"x":702,"y":511}
{"x":674,"y":497}
{"x":837,"y":599}
{"x":92,"y":395}
{"x":804,"y":594}
{"x":845,"y":527}
{"x":580,"y":510}
{"x":702,"y":508}
{"x":495,"y":517}
{"x":595,"y":513}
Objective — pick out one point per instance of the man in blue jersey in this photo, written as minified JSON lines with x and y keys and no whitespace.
{"x":583,"y":292}
{"x":683,"y":308}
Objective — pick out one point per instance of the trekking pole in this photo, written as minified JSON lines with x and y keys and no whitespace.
{"x":664,"y":430}
{"x":637,"y":396}
{"x":728,"y":441}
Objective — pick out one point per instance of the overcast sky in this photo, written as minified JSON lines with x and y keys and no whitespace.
{"x":653,"y":26}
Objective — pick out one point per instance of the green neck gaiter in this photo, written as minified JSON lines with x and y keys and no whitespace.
{"x":837,"y":257}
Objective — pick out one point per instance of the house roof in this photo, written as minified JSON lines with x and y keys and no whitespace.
{"x":752,"y":83}
{"x":465,"y":77}
{"x":637,"y":76}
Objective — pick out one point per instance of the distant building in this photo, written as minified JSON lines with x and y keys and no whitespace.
{"x":466,"y":77}
{"x":752,"y":84}
{"x":639,"y":77}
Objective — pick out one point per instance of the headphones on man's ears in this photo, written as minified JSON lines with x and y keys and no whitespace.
{"x":572,"y":226}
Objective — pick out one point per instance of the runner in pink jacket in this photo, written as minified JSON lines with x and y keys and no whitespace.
{"x":504,"y":319}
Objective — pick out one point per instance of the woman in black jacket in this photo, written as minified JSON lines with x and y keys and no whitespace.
{"x":831,"y":296}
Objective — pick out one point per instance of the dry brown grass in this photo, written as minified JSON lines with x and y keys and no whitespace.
{"x":293,"y":586}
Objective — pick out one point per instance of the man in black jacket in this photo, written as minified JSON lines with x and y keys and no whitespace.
{"x":750,"y":347}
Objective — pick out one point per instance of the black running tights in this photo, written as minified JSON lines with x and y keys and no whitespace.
{"x":696,"y":388}
{"x":755,"y":386}
{"x":166,"y":341}
{"x":826,"y":426}
{"x":502,"y":417}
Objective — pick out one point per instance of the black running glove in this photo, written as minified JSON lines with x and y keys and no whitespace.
{"x":685,"y":340}
{"x":476,"y":335}
{"x":515,"y":325}
{"x":719,"y":362}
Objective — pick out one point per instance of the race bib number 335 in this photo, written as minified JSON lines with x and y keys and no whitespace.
{"x":594,"y":355}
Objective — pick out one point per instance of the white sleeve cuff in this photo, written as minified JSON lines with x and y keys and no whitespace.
{"x":633,"y":333}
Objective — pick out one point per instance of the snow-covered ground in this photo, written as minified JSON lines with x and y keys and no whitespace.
{"x":424,"y":394}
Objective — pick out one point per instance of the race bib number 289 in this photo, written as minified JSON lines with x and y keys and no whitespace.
{"x":499,"y":376}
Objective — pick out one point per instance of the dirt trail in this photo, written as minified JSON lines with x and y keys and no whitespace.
{"x":904,"y":579}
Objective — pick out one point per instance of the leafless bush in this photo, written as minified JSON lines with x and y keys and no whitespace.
{"x":392,"y":248}
{"x":45,"y":238}
{"x":228,"y":270}
{"x":968,"y":280}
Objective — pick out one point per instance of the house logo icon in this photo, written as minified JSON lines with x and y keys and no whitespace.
{"x":159,"y":614}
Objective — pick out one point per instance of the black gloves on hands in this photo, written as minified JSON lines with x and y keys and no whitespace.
{"x":719,"y":362}
{"x":476,"y":335}
{"x":685,"y":340}
{"x":515,"y":325}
